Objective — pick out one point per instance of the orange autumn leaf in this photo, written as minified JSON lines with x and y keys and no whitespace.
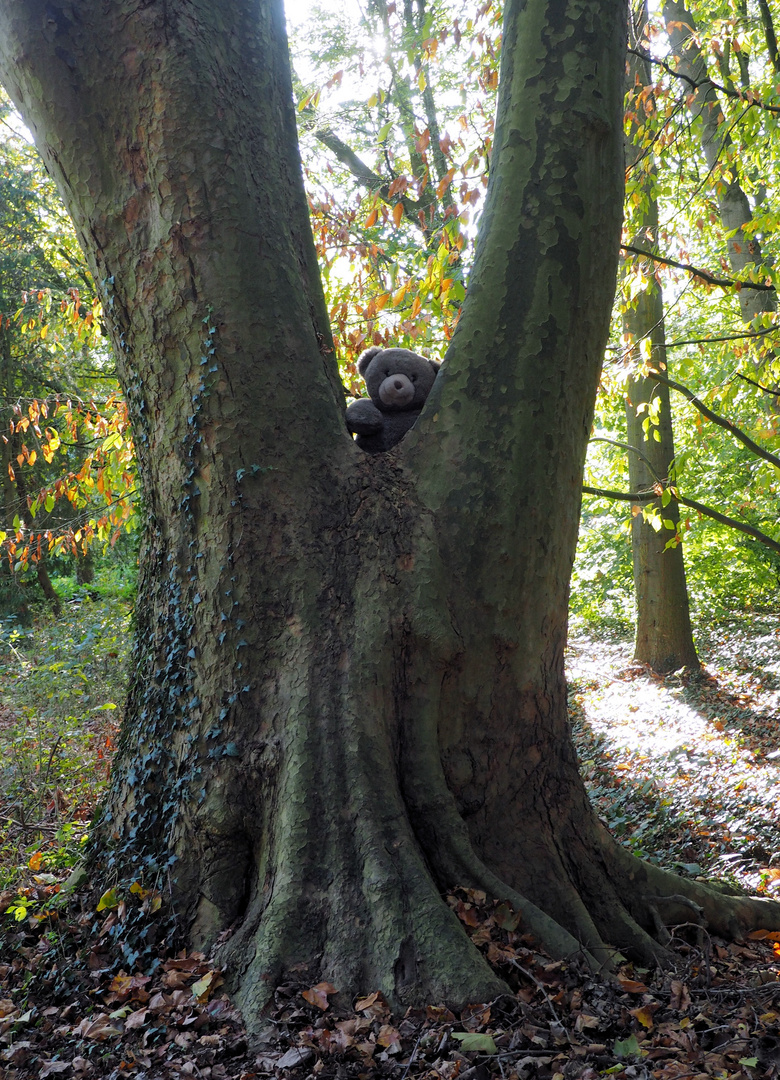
{"x":318,"y":995}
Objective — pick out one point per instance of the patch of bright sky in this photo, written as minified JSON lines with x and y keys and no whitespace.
{"x":301,"y":12}
{"x":298,"y":11}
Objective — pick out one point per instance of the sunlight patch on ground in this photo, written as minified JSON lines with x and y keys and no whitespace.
{"x":681,"y":768}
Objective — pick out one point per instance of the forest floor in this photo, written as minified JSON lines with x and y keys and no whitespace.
{"x":684,"y":769}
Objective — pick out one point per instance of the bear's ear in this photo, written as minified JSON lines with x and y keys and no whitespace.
{"x":366,"y":357}
{"x":435,"y":364}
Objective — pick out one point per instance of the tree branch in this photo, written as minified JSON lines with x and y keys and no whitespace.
{"x":746,"y":99}
{"x":632,"y":450}
{"x":774,"y":393}
{"x":707,"y":511}
{"x":769,"y":34}
{"x":724,"y":283}
{"x":365,"y":175}
{"x":721,"y":421}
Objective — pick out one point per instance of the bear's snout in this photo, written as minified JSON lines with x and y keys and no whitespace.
{"x":396,"y":390}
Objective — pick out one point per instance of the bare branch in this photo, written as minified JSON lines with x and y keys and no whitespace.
{"x":774,"y":393}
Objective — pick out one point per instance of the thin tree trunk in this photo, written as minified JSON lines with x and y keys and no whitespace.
{"x":719,"y":153}
{"x":664,"y":638}
{"x":348,"y":690}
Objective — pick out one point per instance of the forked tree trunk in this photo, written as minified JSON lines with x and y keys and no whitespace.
{"x":348,"y":690}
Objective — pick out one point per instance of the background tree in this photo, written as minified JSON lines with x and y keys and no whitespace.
{"x":348,"y":689}
{"x":664,"y":638}
{"x":729,"y":483}
{"x":66,"y":456}
{"x":396,"y":123}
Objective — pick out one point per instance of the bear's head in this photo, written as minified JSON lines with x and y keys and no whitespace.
{"x":397,"y":379}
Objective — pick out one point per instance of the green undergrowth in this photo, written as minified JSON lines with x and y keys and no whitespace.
{"x":62,"y":686}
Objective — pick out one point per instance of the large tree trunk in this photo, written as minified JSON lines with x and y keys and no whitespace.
{"x":348,"y":690}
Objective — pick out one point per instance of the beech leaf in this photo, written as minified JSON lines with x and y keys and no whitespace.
{"x":318,"y":995}
{"x":627,"y":1047}
{"x":473,"y":1041}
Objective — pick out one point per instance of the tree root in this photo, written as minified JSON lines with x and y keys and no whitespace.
{"x":647,"y":888}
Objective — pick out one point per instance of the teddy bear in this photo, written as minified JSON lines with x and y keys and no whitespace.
{"x":398,"y":382}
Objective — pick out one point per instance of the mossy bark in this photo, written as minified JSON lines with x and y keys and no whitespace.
{"x":348,"y":691}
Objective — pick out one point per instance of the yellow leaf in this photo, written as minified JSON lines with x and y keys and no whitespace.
{"x":203,"y":987}
{"x":35,"y":861}
{"x":644,"y":1016}
{"x":398,"y":213}
{"x":444,"y":183}
{"x":108,"y":901}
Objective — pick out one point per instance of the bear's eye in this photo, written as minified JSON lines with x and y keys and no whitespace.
{"x":387,"y":373}
{"x":414,"y":378}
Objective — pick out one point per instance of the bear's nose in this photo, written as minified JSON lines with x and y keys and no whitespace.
{"x":398,"y":384}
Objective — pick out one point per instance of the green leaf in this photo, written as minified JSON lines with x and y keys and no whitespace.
{"x":507,"y":918}
{"x":749,"y":1062}
{"x":666,"y":497}
{"x":627,"y":1047}
{"x":470,"y":1040}
{"x":384,"y":131}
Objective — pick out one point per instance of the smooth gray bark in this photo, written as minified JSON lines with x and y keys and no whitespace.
{"x":664,"y":637}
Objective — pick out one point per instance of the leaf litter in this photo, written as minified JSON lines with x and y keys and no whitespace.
{"x":681,"y":770}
